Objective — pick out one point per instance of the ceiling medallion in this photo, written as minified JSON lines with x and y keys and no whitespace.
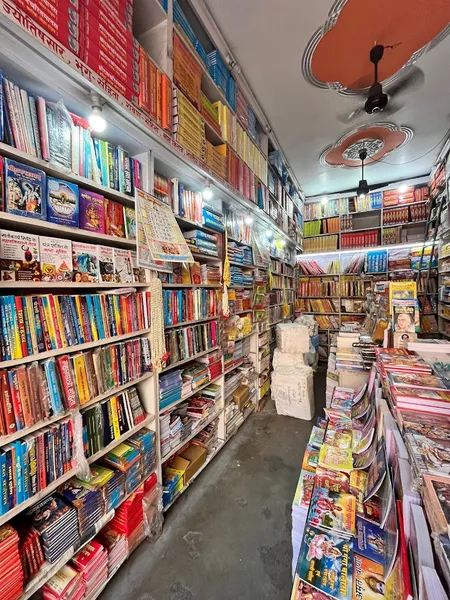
{"x":371,"y":145}
{"x":379,"y":139}
{"x":331,"y":62}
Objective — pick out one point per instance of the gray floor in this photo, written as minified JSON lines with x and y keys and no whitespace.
{"x":228,"y":536}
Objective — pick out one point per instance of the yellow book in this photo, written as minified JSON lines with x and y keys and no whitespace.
{"x":81,"y":381}
{"x":30,"y":314}
{"x":337,"y":459}
{"x":115,"y":416}
{"x":60,"y":322}
{"x":117,"y":311}
{"x":49,"y":319}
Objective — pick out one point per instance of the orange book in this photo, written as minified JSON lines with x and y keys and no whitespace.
{"x":25,"y":397}
{"x":166,"y":102}
{"x":158,"y":96}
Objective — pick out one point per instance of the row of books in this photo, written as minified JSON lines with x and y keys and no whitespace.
{"x":28,"y":466}
{"x":363,"y":239}
{"x":189,"y":305}
{"x":310,"y":287}
{"x":241,"y":254}
{"x":29,"y":257}
{"x":319,"y":306}
{"x":310,"y":266}
{"x":107,"y":421}
{"x":329,"y":322}
{"x":321,"y":243}
{"x":405,"y":214}
{"x":155,"y":91}
{"x":28,"y":192}
{"x":202,"y":242}
{"x":188,"y":125}
{"x":48,"y":131}
{"x":185,"y":343}
{"x":240,"y":277}
{"x":34,"y":324}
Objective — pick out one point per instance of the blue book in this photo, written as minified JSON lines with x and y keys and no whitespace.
{"x":25,"y":470}
{"x":38,"y":325}
{"x":76,"y":320}
{"x":27,"y":330}
{"x":25,"y":190}
{"x":3,"y":485}
{"x":6,"y":346}
{"x":9,"y":476}
{"x":90,"y":308}
{"x":63,"y":204}
{"x":53,"y":387}
{"x":98,"y":317}
{"x":18,"y":465}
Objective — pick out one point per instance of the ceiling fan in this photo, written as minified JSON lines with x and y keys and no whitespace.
{"x":377,"y":100}
{"x":363,"y":187}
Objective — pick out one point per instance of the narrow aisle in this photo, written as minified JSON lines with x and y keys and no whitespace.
{"x":229,"y":536}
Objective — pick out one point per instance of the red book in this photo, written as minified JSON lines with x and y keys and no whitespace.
{"x":15,"y":397}
{"x":166,"y":102}
{"x":21,"y":323}
{"x":40,"y":455}
{"x":66,"y":376}
{"x":23,"y":388}
{"x":6,"y":403}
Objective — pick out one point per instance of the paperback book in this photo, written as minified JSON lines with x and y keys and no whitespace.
{"x":56,"y":259}
{"x":62,"y":202}
{"x":19,"y":257}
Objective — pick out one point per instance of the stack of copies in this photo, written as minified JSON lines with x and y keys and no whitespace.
{"x":109,"y":483}
{"x":30,"y":552}
{"x":129,"y":519}
{"x":116,"y":546}
{"x":210,"y":274}
{"x":11,"y":575}
{"x":164,"y":428}
{"x":92,"y":563}
{"x":208,"y":437}
{"x":66,"y":584}
{"x":144,"y":441}
{"x":170,"y":385}
{"x":57,"y":525}
{"x":87,"y":502}
{"x":349,"y":359}
{"x":195,"y":375}
{"x":125,"y":458}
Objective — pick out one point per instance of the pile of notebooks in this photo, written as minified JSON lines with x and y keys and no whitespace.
{"x":116,"y":546}
{"x":57,"y":525}
{"x":11,"y":574}
{"x":170,"y":385}
{"x":126,"y":458}
{"x":201,"y":242}
{"x":92,"y":563}
{"x":87,"y":502}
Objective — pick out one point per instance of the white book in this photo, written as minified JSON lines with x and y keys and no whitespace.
{"x":14,"y":115}
{"x":27,"y":121}
{"x":420,"y":542}
{"x":75,"y":150}
{"x":21,"y":118}
{"x":19,"y":256}
{"x":122,"y":266}
{"x":430,"y":586}
{"x":56,"y":259}
{"x":35,"y":126}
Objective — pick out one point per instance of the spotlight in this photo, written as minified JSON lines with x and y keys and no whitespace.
{"x":207,"y":192}
{"x":96,"y":120}
{"x":324,"y":199}
{"x":282,"y":243}
{"x":403,"y":188}
{"x":269,"y":233}
{"x":248,"y":220}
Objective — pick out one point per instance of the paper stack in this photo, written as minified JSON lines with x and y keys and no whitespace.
{"x":116,"y":546}
{"x":11,"y":575}
{"x":92,"y":563}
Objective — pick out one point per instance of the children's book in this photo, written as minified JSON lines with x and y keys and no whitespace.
{"x":92,"y":211}
{"x":85,"y":262}
{"x":332,"y":510}
{"x":56,"y":259}
{"x":19,"y":257}
{"x":62,"y":202}
{"x":326,"y":562}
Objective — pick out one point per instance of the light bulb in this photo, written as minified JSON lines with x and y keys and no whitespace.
{"x":403,"y":188}
{"x":324,"y":200}
{"x":248,"y":220}
{"x":207,"y":193}
{"x":269,"y":233}
{"x":361,"y":196}
{"x":282,"y":243}
{"x":96,"y":121}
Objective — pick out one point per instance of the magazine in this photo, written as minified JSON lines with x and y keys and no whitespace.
{"x":332,"y":510}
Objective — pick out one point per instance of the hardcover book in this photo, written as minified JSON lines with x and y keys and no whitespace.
{"x":56,"y":259}
{"x":92,"y":211}
{"x":62,"y":202}
{"x":25,"y":190}
{"x":19,"y":257}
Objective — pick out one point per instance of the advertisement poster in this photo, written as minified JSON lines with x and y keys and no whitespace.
{"x":162,"y":233}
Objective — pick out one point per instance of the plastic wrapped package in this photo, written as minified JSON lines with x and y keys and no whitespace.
{"x":153,"y":515}
{"x":287,"y":359}
{"x":310,"y":323}
{"x":79,"y":458}
{"x":293,"y":338}
{"x":293,"y":392}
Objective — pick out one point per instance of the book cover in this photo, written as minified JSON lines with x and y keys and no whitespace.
{"x":438,"y":499}
{"x":332,"y":510}
{"x":122,"y":266}
{"x":92,"y":211}
{"x":25,"y":190}
{"x":114,"y":219}
{"x":304,"y":489}
{"x":19,"y":257}
{"x":62,"y":202}
{"x":368,"y":582}
{"x":326,"y":562}
{"x":130,"y":222}
{"x":85,"y":262}
{"x":336,"y":458}
{"x":106,"y":263}
{"x":419,"y":380}
{"x":56,"y":259}
{"x":332,"y":480}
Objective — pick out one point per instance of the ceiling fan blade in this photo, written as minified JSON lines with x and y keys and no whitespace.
{"x":411,"y":81}
{"x":393,"y":107}
{"x":352,"y":116}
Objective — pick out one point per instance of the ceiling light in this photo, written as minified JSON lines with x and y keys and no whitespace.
{"x":207,"y":192}
{"x":324,"y":200}
{"x":248,"y":220}
{"x":282,"y":243}
{"x":403,"y":188}
{"x":269,"y":233}
{"x":96,"y":120}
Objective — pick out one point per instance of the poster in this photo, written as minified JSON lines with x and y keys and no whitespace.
{"x":162,"y":233}
{"x":144,"y":258}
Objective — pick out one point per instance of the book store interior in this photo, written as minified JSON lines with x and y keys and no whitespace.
{"x":225,"y":303}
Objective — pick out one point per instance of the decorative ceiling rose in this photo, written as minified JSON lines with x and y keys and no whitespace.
{"x":337,"y":55}
{"x":379,"y":139}
{"x":371,"y":145}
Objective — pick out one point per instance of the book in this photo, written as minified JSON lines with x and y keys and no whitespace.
{"x":56,"y":259}
{"x":24,"y":190}
{"x":19,"y":257}
{"x":115,"y":224}
{"x":418,"y":380}
{"x":122,"y":266}
{"x":92,"y":211}
{"x":368,"y":578}
{"x":85,"y":262}
{"x":130,"y":222}
{"x":332,"y":511}
{"x":106,"y":263}
{"x":437,"y":502}
{"x":332,"y":457}
{"x":63,"y":205}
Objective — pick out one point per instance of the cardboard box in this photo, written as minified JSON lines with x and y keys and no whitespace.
{"x":240,"y":396}
{"x":181,"y":465}
{"x":196,"y":455}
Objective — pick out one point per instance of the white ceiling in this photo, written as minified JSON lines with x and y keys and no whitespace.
{"x":268,"y":38}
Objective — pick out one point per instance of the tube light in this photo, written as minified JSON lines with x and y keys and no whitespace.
{"x":207,"y":192}
{"x":358,"y":251}
{"x":96,"y":120}
{"x":248,"y":220}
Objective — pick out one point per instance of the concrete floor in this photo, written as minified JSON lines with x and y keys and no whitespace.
{"x":228,"y":537}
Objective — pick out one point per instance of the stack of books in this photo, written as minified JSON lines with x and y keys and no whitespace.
{"x":187,"y":73}
{"x":57,"y":525}
{"x":195,"y":375}
{"x":92,"y":563}
{"x":126,"y":458}
{"x":170,"y":385}
{"x":155,"y":91}
{"x":188,"y":126}
{"x":30,"y":550}
{"x":11,"y":574}
{"x":129,"y":519}
{"x":202,"y":243}
{"x":210,"y":274}
{"x":144,"y":441}
{"x":109,"y":482}
{"x":67,"y":583}
{"x":87,"y":502}
{"x":116,"y":546}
